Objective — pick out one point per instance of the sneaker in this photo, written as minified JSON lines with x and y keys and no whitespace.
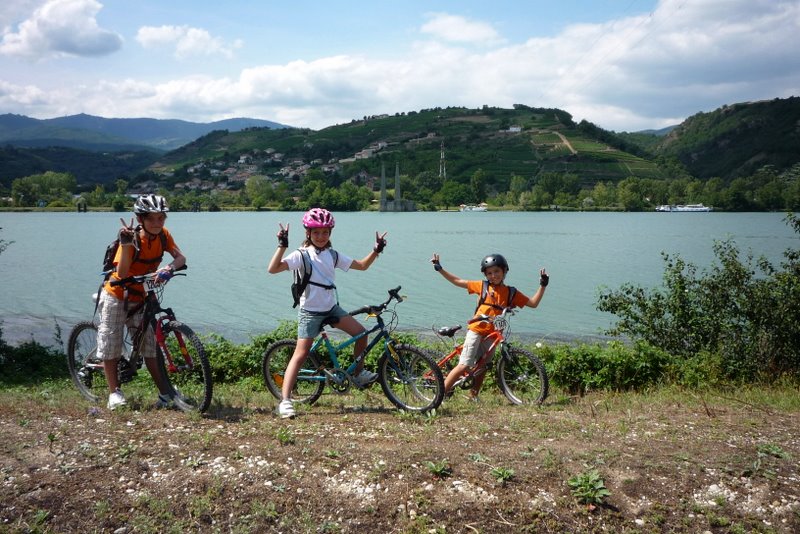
{"x":286,"y":409}
{"x":365,"y":378}
{"x":164,"y":401}
{"x":116,"y":399}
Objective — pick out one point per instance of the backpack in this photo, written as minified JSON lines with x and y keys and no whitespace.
{"x":512,"y":292}
{"x":111,"y":253}
{"x":302,"y":277}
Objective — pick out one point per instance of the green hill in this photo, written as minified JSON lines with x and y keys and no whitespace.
{"x":523,"y":141}
{"x":737,"y":140}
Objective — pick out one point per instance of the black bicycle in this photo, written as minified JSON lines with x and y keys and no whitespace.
{"x":180,"y":353}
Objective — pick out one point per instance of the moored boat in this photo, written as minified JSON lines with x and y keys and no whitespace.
{"x":480,"y":207}
{"x":683,"y":207}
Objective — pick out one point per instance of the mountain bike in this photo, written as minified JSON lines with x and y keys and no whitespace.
{"x":180,"y":353}
{"x":520,"y":375}
{"x":409,"y":377}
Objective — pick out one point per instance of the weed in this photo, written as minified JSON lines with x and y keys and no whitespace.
{"x":478,"y":457}
{"x":285,"y":435}
{"x":769,"y":449}
{"x":503,"y":474}
{"x":440,"y":469}
{"x":331,"y":453}
{"x":125,"y":451}
{"x":588,"y":487}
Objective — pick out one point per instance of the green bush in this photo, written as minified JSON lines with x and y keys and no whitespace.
{"x":741,"y":315}
{"x":30,"y":363}
{"x":231,"y":362}
{"x":613,"y":367}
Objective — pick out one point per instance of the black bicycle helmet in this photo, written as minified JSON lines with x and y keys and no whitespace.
{"x":150,"y":204}
{"x":494,"y":260}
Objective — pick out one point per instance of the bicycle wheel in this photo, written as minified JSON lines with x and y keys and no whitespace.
{"x":411,"y":379}
{"x":85,"y":368}
{"x":310,"y":380}
{"x":186,"y":368}
{"x":521,"y":376}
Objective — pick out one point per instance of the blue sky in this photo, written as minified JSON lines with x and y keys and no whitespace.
{"x":624,"y":65}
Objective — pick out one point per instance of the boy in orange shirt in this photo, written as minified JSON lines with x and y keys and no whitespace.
{"x":494,"y":267}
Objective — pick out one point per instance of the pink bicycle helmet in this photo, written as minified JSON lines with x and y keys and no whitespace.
{"x":318,"y":218}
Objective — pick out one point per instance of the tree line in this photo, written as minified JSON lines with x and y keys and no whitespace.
{"x":765,"y":190}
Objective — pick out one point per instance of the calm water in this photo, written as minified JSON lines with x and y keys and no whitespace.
{"x":50,"y":271}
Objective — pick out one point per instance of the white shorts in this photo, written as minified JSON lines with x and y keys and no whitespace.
{"x":110,"y":331}
{"x":475,"y":346}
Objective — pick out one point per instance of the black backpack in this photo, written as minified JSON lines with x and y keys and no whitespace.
{"x":302,"y":276}
{"x":512,"y":292}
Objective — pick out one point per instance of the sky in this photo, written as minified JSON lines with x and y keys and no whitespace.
{"x":624,"y":65}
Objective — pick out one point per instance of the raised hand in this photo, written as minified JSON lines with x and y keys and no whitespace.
{"x":127,"y":234}
{"x":380,"y":242}
{"x":544,"y":278}
{"x":283,"y":235}
{"x":435,"y":261}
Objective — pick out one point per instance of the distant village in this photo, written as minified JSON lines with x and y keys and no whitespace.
{"x":208,"y":176}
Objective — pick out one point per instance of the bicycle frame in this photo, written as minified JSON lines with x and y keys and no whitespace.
{"x":155,"y":316}
{"x":335,"y":348}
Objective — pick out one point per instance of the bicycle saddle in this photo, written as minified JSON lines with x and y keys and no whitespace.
{"x":448,"y":331}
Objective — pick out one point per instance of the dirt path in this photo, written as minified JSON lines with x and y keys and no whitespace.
{"x":566,"y":142}
{"x":357,"y":466}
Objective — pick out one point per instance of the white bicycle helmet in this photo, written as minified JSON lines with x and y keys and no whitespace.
{"x":150,"y":204}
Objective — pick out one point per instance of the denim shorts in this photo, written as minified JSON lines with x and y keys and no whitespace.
{"x":309,"y":323}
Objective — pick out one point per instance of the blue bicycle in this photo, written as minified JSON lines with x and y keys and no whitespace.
{"x":409,"y":377}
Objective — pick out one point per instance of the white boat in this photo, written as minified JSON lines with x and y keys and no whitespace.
{"x":682,"y":207}
{"x":480,"y":207}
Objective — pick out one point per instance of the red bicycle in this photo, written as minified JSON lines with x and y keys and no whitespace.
{"x":520,"y":375}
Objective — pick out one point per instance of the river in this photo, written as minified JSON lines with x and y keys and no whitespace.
{"x":52,"y":267}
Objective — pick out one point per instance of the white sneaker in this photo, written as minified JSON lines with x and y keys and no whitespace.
{"x":365,"y":378}
{"x":116,"y":399}
{"x":286,"y":409}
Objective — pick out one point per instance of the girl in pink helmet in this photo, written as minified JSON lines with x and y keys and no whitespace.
{"x":319,"y":300}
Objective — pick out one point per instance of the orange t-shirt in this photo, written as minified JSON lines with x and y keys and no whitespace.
{"x":495,"y":295}
{"x":149,"y":249}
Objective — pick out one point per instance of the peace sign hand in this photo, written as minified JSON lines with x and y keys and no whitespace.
{"x":127,"y":234}
{"x":283,"y":236}
{"x":380,"y":242}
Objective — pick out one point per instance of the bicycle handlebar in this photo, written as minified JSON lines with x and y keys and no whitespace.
{"x":138,"y":279}
{"x":491,"y":318}
{"x":377,"y":309}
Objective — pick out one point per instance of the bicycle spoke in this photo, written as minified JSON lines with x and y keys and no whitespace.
{"x":411,"y":379}
{"x":310,"y":382}
{"x":521,"y":376}
{"x":185,"y":366}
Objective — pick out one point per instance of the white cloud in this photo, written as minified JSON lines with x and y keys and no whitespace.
{"x":457,"y":29}
{"x":645,"y":71}
{"x":187,"y":41}
{"x":60,"y":28}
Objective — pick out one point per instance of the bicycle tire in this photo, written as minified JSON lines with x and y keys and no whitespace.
{"x":521,"y":376}
{"x":190,"y":382}
{"x":410,"y":378}
{"x":85,"y":368}
{"x":308,"y":386}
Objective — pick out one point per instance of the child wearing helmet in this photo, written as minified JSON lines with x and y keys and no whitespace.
{"x":495,"y":268}
{"x":319,"y":300}
{"x":140,"y":251}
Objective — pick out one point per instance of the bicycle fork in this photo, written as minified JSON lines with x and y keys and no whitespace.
{"x":161,"y":341}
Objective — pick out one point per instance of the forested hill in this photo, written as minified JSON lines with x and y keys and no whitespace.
{"x":738,"y":139}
